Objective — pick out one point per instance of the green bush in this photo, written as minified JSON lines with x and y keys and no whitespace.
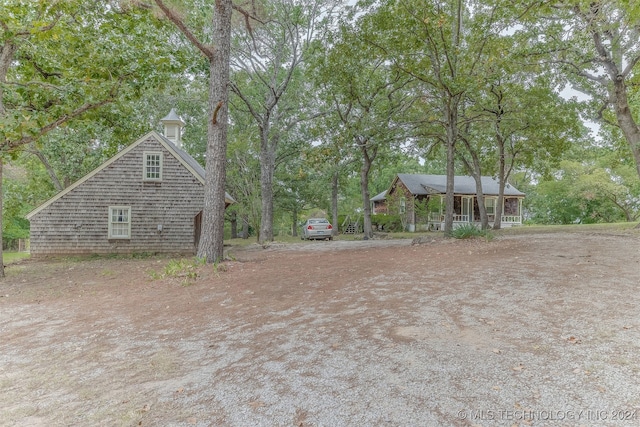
{"x":468,"y":231}
{"x":389,"y":223}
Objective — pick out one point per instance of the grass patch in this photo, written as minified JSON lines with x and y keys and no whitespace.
{"x":9,"y":257}
{"x":615,"y":227}
{"x":185,"y":269}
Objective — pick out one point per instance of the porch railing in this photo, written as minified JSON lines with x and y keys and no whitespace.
{"x":436,"y":217}
{"x":460,"y":218}
{"x":514,"y":219}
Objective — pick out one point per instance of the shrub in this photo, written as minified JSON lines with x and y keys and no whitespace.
{"x":468,"y":231}
{"x":186,"y":269}
{"x":389,"y":223}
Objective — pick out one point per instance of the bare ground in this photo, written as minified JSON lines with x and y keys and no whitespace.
{"x":539,"y":329}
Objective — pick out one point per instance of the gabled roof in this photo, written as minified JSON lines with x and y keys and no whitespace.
{"x":381,"y":196}
{"x":182,"y":156}
{"x":421,"y":185}
{"x":191,"y":163}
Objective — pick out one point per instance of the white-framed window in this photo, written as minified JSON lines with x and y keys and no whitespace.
{"x":403,"y":206}
{"x":490,"y":206}
{"x":152,"y":166}
{"x":119,"y":222}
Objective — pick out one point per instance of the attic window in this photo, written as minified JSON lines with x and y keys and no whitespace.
{"x":119,"y":222}
{"x":152,"y":166}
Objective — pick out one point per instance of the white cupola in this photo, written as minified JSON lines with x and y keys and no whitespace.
{"x":173,"y":125}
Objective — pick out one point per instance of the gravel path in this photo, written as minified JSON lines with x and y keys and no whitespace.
{"x":539,"y":330}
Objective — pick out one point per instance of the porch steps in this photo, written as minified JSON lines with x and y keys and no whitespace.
{"x":351,"y":228}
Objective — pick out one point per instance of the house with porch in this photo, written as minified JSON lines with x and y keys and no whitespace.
{"x":419,"y":200}
{"x":148,"y":198}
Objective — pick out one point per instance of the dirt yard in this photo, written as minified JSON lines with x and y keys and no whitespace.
{"x":536,"y":329}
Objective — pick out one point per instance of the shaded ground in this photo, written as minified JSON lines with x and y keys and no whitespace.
{"x":540,"y":329}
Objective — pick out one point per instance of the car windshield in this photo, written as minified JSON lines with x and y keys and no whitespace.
{"x":318,"y":221}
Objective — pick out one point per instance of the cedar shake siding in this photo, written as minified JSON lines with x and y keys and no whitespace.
{"x":161,"y":214}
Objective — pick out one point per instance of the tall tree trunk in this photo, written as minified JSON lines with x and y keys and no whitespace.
{"x":627,"y":123}
{"x":7,"y":52}
{"x":211,"y":243}
{"x":294,"y":222}
{"x":364,"y":188}
{"x":1,"y":218}
{"x":476,"y":171}
{"x":334,"y":202}
{"x":451,"y":120}
{"x":499,"y":208}
{"x":482,"y":210}
{"x":245,"y":226}
{"x":234,"y":225}
{"x":267,"y":168}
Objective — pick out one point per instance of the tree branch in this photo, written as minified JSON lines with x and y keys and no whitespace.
{"x":9,"y":145}
{"x":632,"y":63}
{"x":248,"y":16}
{"x":52,"y":174}
{"x":235,"y":89}
{"x":207,"y":51}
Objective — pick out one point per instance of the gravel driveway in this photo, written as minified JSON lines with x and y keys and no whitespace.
{"x":525,"y":330}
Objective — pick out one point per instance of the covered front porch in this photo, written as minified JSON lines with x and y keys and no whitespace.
{"x":466,"y":211}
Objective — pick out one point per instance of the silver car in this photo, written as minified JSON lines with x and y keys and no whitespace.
{"x":316,"y":228}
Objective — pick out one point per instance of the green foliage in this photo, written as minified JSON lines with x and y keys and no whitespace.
{"x":469,"y":231}
{"x":11,"y":257}
{"x":185,"y":269}
{"x":25,"y":185}
{"x":75,"y":54}
{"x":389,"y":223}
{"x":601,"y":186}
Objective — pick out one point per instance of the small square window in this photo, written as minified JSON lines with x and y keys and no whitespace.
{"x":152,"y":166}
{"x":119,"y":222}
